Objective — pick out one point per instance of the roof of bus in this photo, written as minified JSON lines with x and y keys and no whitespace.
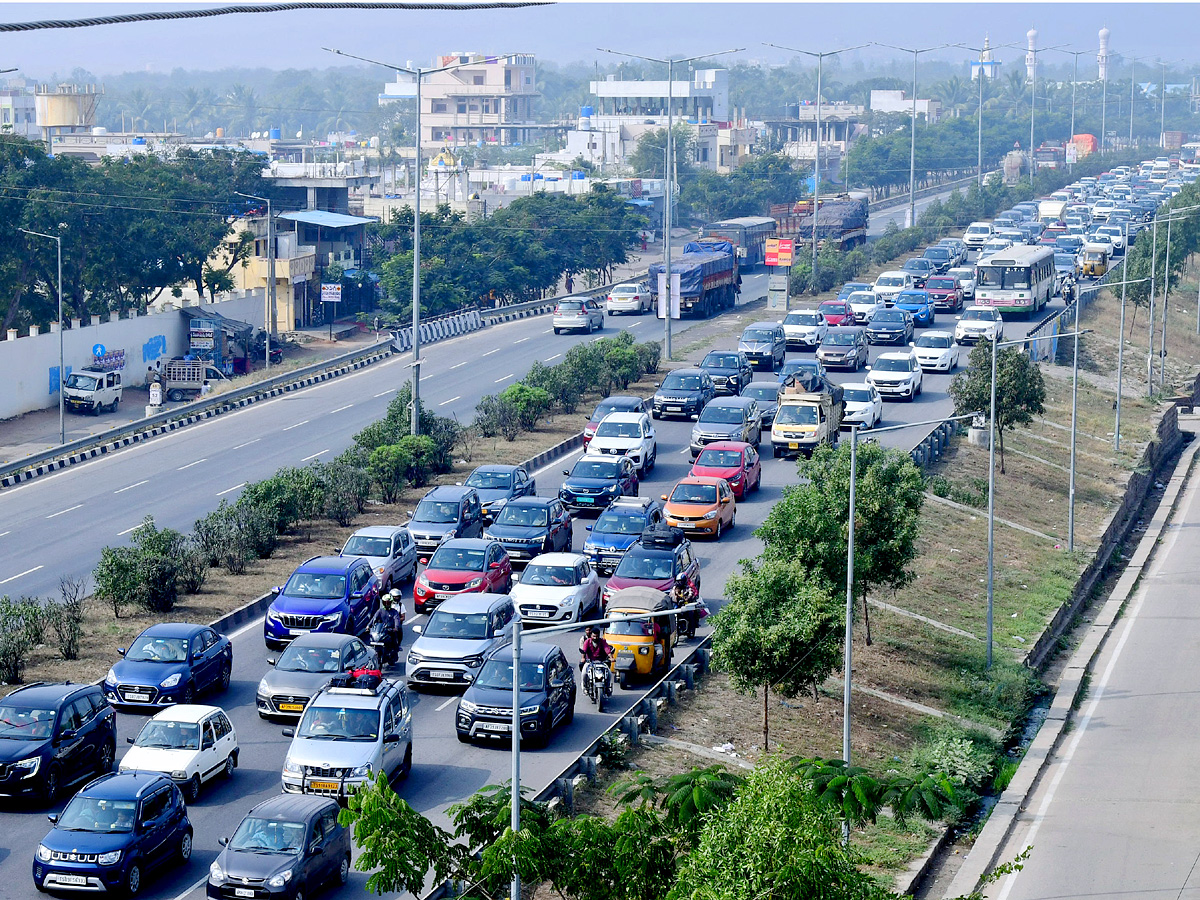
{"x":1017,"y":256}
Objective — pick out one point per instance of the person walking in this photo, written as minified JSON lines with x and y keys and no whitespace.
{"x":570,"y":284}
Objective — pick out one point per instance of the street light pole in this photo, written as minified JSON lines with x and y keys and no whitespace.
{"x":1162,"y":111}
{"x":1033,"y":106}
{"x":1074,"y":419}
{"x":62,"y":374}
{"x":669,"y":186}
{"x":979,"y":77}
{"x":269,"y":320}
{"x":1153,"y":286}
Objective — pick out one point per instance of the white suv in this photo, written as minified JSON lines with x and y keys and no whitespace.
{"x":979,"y":323}
{"x":889,"y":284}
{"x":978,"y":234}
{"x":896,"y":375}
{"x":627,"y":434}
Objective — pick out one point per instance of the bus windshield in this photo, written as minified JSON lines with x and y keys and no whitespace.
{"x":1011,"y":277}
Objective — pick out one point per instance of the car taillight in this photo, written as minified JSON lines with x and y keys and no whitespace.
{"x":558,"y":310}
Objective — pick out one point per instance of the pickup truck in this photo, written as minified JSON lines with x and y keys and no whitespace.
{"x":183,"y":379}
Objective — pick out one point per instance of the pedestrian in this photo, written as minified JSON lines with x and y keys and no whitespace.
{"x":205,"y":389}
{"x":570,"y":284}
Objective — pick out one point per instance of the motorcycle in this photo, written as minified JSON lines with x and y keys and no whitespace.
{"x":689,"y":621}
{"x":597,"y":682}
{"x":386,"y":643}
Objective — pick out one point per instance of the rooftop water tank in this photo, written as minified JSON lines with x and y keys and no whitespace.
{"x":274,"y":134}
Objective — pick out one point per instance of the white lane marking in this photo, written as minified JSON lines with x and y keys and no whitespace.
{"x":547,"y":331}
{"x":494,"y":350}
{"x":460,"y":365}
{"x":3,"y":533}
{"x":521,"y":341}
{"x":553,"y":358}
{"x":505,"y":378}
{"x":686,"y":450}
{"x":20,"y":574}
{"x":195,"y":887}
{"x":340,"y":408}
{"x":127,"y":530}
{"x":297,"y":425}
{"x":131,"y":487}
{"x":451,"y":400}
{"x":449,"y":700}
{"x":65,"y":511}
{"x":231,"y":490}
{"x":385,"y":393}
{"x":639,"y":325}
{"x":315,"y":455}
{"x":247,"y":444}
{"x":189,"y":465}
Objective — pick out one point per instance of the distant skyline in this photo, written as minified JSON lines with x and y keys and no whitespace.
{"x":570,"y":32}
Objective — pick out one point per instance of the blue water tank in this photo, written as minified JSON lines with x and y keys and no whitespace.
{"x":527,"y":177}
{"x":274,"y":134}
{"x":578,"y":176}
{"x":586,"y":111}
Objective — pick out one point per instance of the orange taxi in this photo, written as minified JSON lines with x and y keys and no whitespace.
{"x":700,"y":505}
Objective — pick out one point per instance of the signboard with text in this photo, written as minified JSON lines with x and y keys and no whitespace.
{"x":331,"y":293}
{"x":778,"y":252}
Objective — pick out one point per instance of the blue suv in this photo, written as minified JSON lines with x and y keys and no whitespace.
{"x":326,"y":593}
{"x":111,"y":832}
{"x":617,"y":529}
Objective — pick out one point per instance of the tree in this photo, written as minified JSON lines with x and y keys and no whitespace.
{"x":686,"y":798}
{"x":780,"y":629}
{"x":1020,"y":390}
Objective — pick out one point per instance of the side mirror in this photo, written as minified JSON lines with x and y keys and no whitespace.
{"x":587,"y":527}
{"x":417,"y":629}
{"x":664,"y":496}
{"x":129,"y":740}
{"x":53,"y":817}
{"x":223,"y":841}
{"x":566,"y":471}
{"x":271,"y":660}
{"x":868,"y":368}
{"x":912,"y":343}
{"x":424,"y":560}
{"x":494,"y":565}
{"x":120,"y":651}
{"x":289,"y":732}
{"x":66,"y":734}
{"x":391,"y":738}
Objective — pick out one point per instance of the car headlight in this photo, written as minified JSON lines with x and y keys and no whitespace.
{"x":111,"y":858}
{"x":111,"y":677}
{"x":379,"y":570}
{"x":215,"y":872}
{"x":712,"y":514}
{"x":421,"y":580}
{"x":292,"y":767}
{"x":466,"y":706}
{"x":27,"y":767}
{"x":332,"y":618}
{"x":361,"y":771}
{"x":170,"y":681}
{"x":279,"y":880}
{"x":415,"y":659}
{"x":644,"y":650}
{"x":474,"y":583}
{"x":487,"y":536}
{"x":530,"y":710}
{"x":473,"y":662}
{"x":43,"y":853}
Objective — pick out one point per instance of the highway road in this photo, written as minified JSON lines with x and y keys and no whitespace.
{"x":57,"y":524}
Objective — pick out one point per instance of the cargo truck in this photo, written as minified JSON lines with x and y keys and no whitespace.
{"x":708,"y":278}
{"x":748,"y":234}
{"x":183,"y":379}
{"x":809,"y":414}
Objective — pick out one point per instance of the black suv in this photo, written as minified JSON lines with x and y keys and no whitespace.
{"x":447,"y":511}
{"x":684,"y":392}
{"x":547,"y":691}
{"x":532,"y":525}
{"x":53,"y":736}
{"x":730,"y":370}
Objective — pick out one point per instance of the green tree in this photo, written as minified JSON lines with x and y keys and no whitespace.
{"x":1020,"y":390}
{"x":386,"y":466}
{"x":685,"y":798}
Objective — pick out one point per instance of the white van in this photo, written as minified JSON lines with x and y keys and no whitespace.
{"x":92,"y":390}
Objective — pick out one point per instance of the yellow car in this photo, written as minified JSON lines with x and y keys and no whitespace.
{"x":701,"y":505}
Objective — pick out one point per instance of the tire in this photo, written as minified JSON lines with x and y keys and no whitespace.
{"x":650,"y":463}
{"x":623,"y":681}
{"x":191,"y":790}
{"x":720,"y":530}
{"x":405,"y":767}
{"x":589,"y":327}
{"x":230,"y":765}
{"x":226,"y":673}
{"x":51,"y":785}
{"x":175,"y":395}
{"x":654,"y":414}
{"x":105,"y":763}
{"x":189,"y":694}
{"x":184,"y":853}
{"x":133,"y":880}
{"x":558,"y":331}
{"x":600,"y":704}
{"x":343,"y":872}
{"x":570,"y":716}
{"x":774,"y":454}
{"x":113,"y":406}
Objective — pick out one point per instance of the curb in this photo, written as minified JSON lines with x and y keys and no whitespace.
{"x":990,"y":843}
{"x":243,"y":614}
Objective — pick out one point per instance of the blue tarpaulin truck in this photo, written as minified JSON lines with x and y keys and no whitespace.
{"x":708,"y":277}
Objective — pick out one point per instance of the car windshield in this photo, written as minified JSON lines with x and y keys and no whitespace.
{"x":148,"y":648}
{"x":887,"y":315}
{"x":857,"y":395}
{"x":439,"y":512}
{"x":645,"y":567}
{"x":523,"y":516}
{"x":721,"y":415}
{"x":457,"y":626}
{"x":694,"y":493}
{"x":490,"y":481}
{"x":914,"y":298}
{"x":721,"y":361}
{"x":316,"y":586}
{"x":82,"y":382}
{"x":298,"y":658}
{"x":890,"y":281}
{"x":461,"y":559}
{"x":863,"y":298}
{"x":619,"y":429}
{"x":884,"y":364}
{"x":941,"y":283}
{"x":978,"y":315}
{"x":676,"y":382}
{"x":618,"y":523}
{"x":549,"y":576}
{"x":498,"y":674}
{"x":937,"y":341}
{"x":801,"y":318}
{"x":841,"y":338}
{"x":85,"y":813}
{"x":365,"y":545}
{"x":758,"y":334}
{"x":587,"y":468}
{"x":796,"y":414}
{"x":720,"y":459}
{"x":979,"y":229}
{"x":169,"y":735}
{"x":24,"y":723}
{"x":627,"y":627}
{"x":268,"y":836}
{"x":1064,"y":260}
{"x":767,"y":392}
{"x":834,"y":309}
{"x":335,"y":723}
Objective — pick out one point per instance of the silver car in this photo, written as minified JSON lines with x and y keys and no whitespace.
{"x":458,"y":637}
{"x":306,"y":666}
{"x":389,"y":549}
{"x":578,"y":314}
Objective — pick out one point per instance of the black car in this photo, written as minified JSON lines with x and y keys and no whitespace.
{"x":168,"y":663}
{"x":532,"y":525}
{"x":729,"y":370}
{"x":684,"y":392}
{"x":497,"y":484}
{"x":286,"y":847}
{"x":547,"y":695}
{"x":767,"y":395}
{"x":111,"y":833}
{"x":595,"y":481}
{"x":891,"y":326}
{"x":941,"y":257}
{"x":53,"y":736}
{"x":921,"y":269}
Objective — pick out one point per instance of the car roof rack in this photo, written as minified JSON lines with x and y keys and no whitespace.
{"x":363,"y":685}
{"x":663,"y":536}
{"x":633,"y":502}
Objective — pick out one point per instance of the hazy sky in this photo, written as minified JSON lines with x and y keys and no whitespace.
{"x":571,"y":31}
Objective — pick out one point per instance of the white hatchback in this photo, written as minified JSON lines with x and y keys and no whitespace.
{"x":188,"y":743}
{"x":936,"y":351}
{"x":557,"y":587}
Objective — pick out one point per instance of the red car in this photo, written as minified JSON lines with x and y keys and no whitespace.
{"x":611,"y":405}
{"x":945,"y":293}
{"x":462,"y":566}
{"x":837,"y":312}
{"x":735,"y":461}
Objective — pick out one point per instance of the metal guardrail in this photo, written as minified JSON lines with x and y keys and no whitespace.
{"x":933,"y":445}
{"x":902,"y":199}
{"x":77,"y":451}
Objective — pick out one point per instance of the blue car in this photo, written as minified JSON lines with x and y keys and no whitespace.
{"x":617,"y":529}
{"x":114,"y":830}
{"x":595,"y":481}
{"x":797,"y":365}
{"x":326,"y":593}
{"x":169,"y":663}
{"x":917,"y":303}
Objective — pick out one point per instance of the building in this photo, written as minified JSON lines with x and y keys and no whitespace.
{"x":899,"y":102}
{"x":65,"y":109}
{"x":986,"y":66}
{"x":796,"y":133}
{"x":1102,"y":56}
{"x":18,"y":112}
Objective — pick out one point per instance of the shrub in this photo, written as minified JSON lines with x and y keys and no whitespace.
{"x":386,"y":466}
{"x":621,"y":367}
{"x":21,"y":623}
{"x":254,"y":528}
{"x":649,"y":355}
{"x":568,"y":387}
{"x":528,"y":402}
{"x":347,"y":487}
{"x":65,"y":616}
{"x":508,"y":418}
{"x":219,"y":541}
{"x":115,"y":577}
{"x":193,"y":567}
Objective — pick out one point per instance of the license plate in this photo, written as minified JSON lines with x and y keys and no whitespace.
{"x":72,"y":879}
{"x":539,"y":614}
{"x":138,"y":698}
{"x":441,"y":673}
{"x":674,"y":409}
{"x":291,"y":707}
{"x":323,"y":785}
{"x":496,"y":726}
{"x":243,"y":892}
{"x":584,"y":500}
{"x":792,"y":445}
{"x":445,"y":596}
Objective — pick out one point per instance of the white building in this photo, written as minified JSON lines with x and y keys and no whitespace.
{"x":986,"y":66}
{"x":899,"y":102}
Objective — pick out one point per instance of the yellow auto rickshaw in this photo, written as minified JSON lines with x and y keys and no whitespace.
{"x":1095,"y":259}
{"x":642,"y":647}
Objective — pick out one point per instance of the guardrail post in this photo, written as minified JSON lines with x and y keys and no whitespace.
{"x":688,"y":671}
{"x":629,"y":725}
{"x":566,"y":792}
{"x":703,"y":660}
{"x":671,"y":692}
{"x":589,"y":765}
{"x":650,"y":711}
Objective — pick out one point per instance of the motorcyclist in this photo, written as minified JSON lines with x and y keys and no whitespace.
{"x":391,"y":616}
{"x":594,"y":648}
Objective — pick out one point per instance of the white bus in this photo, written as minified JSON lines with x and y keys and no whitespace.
{"x":1019,"y":279}
{"x":1189,"y":156}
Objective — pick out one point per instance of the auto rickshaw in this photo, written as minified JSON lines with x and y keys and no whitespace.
{"x":1095,"y":259}
{"x":642,"y":647}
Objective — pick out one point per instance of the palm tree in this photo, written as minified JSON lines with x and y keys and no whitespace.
{"x":1013,"y":89}
{"x":195,"y":108}
{"x":243,"y":108}
{"x":955,"y":94}
{"x":142,"y":108}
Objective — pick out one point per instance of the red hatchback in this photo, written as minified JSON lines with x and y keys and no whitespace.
{"x":837,"y":312}
{"x":462,"y":566}
{"x":735,"y":461}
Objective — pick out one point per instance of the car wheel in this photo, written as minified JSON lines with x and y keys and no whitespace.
{"x":623,"y":681}
{"x":299,"y":895}
{"x":50,"y":785}
{"x":226,"y":672}
{"x":406,"y":766}
{"x":113,"y":406}
{"x":185,"y":847}
{"x":558,"y":331}
{"x":230,"y":765}
{"x":189,"y":693}
{"x":589,"y":326}
{"x":133,"y":880}
{"x":175,"y":395}
{"x":655,"y":414}
{"x":105,"y":762}
{"x":191,"y":790}
{"x":720,"y":530}
{"x":570,"y":716}
{"x":343,"y":874}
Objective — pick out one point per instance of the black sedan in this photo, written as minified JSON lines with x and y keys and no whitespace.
{"x":730,"y":370}
{"x":595,"y":481}
{"x":532,"y":525}
{"x":891,"y":326}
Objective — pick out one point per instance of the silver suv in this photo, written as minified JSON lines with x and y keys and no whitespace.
{"x":350,"y":731}
{"x":458,"y":637}
{"x":577,"y":314}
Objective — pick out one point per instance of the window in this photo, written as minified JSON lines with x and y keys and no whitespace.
{"x":96,"y":699}
{"x":477,"y":79}
{"x":221,"y":725}
{"x":81,"y":712}
{"x":154,"y":806}
{"x":329,"y":822}
{"x":462,"y":106}
{"x":197,"y":645}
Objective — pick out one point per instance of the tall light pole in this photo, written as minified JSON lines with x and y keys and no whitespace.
{"x":1132,"y":85}
{"x":912,"y":144}
{"x":1034,"y":51}
{"x":1162,"y":111}
{"x":667,"y":198}
{"x":418,"y":74}
{"x":820,"y":58}
{"x":1121,"y":347}
{"x":979,"y":112}
{"x":269,"y":319}
{"x":62,"y":374}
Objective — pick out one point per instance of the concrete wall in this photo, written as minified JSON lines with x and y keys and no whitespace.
{"x":29,"y":374}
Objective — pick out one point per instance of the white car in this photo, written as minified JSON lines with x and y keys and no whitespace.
{"x":891,"y":283}
{"x":557,"y":587}
{"x":994,"y":245}
{"x":188,"y":743}
{"x":627,"y":434}
{"x":936,"y":351}
{"x":979,"y":323}
{"x":864,"y":406}
{"x":1116,"y":234}
{"x":965,"y":276}
{"x":865,"y":304}
{"x":577,"y":314}
{"x":896,"y":375}
{"x":804,"y":328}
{"x":1102,"y":208}
{"x":631,"y":297}
{"x":389,"y":549}
{"x":978,"y":234}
